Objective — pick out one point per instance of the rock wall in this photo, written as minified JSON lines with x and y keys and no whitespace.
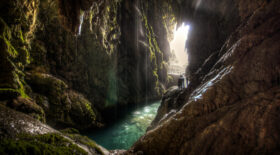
{"x":119,"y":57}
{"x":18,"y":21}
{"x":211,"y":22}
{"x":144,"y":47}
{"x":35,"y":92}
{"x":234,"y":109}
{"x":68,"y":60}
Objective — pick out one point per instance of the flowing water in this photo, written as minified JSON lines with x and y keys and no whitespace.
{"x":122,"y":134}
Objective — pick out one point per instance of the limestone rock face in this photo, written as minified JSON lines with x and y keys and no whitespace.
{"x":28,"y":106}
{"x":167,"y":107}
{"x":116,"y":57}
{"x":22,"y":134}
{"x":235,"y":109}
{"x":17,"y":24}
{"x":112,"y":53}
{"x":13,"y":123}
{"x":63,"y":107}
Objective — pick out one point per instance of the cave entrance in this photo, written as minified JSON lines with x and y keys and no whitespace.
{"x":179,"y":57}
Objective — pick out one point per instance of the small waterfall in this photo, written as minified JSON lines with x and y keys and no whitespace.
{"x":81,"y":23}
{"x":79,"y":33}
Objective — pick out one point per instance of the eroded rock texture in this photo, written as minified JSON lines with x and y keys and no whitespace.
{"x":235,"y":109}
{"x":86,"y":56}
{"x":118,"y":55}
{"x":17,"y":24}
{"x":21,"y":134}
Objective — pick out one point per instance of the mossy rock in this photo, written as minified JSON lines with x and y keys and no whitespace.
{"x":74,"y":111}
{"x":81,"y":107}
{"x":46,"y":84}
{"x":8,"y":93}
{"x":13,"y":57}
{"x":29,"y":107}
{"x":40,"y":144}
{"x":7,"y":66}
{"x":42,"y":101}
{"x":63,"y":107}
{"x":87,"y":142}
{"x":70,"y":131}
{"x":21,"y":134}
{"x":69,"y":109}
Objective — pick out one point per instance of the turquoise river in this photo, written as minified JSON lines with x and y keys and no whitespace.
{"x":123,"y":133}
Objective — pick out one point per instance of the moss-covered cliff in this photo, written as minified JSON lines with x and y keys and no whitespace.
{"x":116,"y":57}
{"x":67,"y":63}
{"x":17,"y":23}
{"x":58,"y":54}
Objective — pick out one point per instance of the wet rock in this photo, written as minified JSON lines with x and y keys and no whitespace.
{"x":117,"y":152}
{"x":13,"y":123}
{"x":17,"y":22}
{"x":235,"y":107}
{"x":46,"y":84}
{"x":21,"y":133}
{"x":63,"y":107}
{"x":29,"y":107}
{"x":167,"y":107}
{"x":73,"y":111}
{"x":107,"y":62}
{"x":42,"y":101}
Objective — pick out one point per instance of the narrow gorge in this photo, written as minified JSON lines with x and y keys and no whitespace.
{"x":105,"y":77}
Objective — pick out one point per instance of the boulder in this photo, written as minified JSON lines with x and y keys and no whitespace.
{"x":28,"y":106}
{"x":22,"y":134}
{"x":63,"y":107}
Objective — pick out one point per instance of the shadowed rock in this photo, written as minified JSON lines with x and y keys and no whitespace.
{"x":235,"y":109}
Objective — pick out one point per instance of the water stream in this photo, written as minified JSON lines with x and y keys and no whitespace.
{"x":122,"y":134}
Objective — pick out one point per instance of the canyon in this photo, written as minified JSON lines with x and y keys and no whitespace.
{"x":67,"y":67}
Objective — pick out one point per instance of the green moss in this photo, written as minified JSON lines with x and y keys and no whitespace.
{"x":39,"y":144}
{"x":89,"y":109}
{"x":48,"y":85}
{"x":91,"y":14}
{"x":163,"y":65}
{"x":21,"y":36}
{"x":9,"y":90}
{"x":39,"y":117}
{"x":109,"y":26}
{"x":10,"y":48}
{"x":17,"y":55}
{"x":21,"y":88}
{"x":15,"y":43}
{"x":70,"y":131}
{"x":155,"y":52}
{"x":79,"y":102}
{"x":169,"y":78}
{"x":86,"y":141}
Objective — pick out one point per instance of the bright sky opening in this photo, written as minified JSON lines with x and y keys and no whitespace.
{"x":178,"y":45}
